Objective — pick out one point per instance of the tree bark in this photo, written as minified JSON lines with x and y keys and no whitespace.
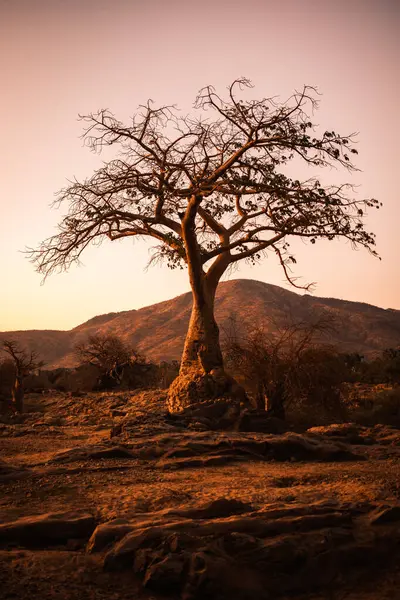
{"x":17,"y":394}
{"x":202,"y":347}
{"x":202,"y":384}
{"x":202,"y":379}
{"x":259,"y":400}
{"x":276,"y":401}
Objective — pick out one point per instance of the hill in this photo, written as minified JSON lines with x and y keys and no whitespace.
{"x":158,"y":331}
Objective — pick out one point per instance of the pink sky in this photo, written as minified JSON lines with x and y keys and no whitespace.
{"x":60,"y":58}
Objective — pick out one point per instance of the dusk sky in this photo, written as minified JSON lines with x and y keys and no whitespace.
{"x":59,"y":58}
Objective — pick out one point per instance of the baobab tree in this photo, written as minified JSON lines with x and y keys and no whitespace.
{"x":25,"y":363}
{"x":212,"y":189}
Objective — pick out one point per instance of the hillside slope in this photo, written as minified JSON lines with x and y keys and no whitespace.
{"x":158,"y":331}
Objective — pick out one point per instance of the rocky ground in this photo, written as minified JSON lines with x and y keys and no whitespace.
{"x":105,"y":496}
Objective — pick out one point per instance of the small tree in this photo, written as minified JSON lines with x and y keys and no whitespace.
{"x":25,"y":363}
{"x":109,"y":354}
{"x":211,"y":191}
{"x":105,"y":352}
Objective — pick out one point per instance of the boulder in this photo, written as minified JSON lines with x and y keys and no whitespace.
{"x":227,"y":550}
{"x":293,"y":446}
{"x":222,"y":448}
{"x":9,"y":471}
{"x":165,"y":575}
{"x":94,"y":452}
{"x":47,"y":529}
{"x":223,"y":507}
{"x":350,"y":433}
{"x":385,"y":514}
{"x":109,"y":533}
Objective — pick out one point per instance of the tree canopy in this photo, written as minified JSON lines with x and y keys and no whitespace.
{"x":105,"y":352}
{"x":24,"y":362}
{"x":223,"y":172}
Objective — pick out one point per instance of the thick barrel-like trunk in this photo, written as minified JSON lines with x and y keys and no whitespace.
{"x":202,"y":350}
{"x":202,"y":378}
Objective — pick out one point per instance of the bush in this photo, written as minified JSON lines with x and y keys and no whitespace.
{"x":315,"y":381}
{"x":378,"y":405}
{"x":384,"y":368}
{"x":288,"y":371}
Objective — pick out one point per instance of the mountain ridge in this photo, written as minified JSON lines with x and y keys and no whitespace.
{"x":158,"y":330}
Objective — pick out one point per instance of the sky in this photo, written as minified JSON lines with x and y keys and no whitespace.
{"x":61,"y":58}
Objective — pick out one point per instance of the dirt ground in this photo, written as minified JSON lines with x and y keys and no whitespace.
{"x":36,"y":481}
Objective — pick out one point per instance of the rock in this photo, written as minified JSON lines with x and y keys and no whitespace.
{"x":47,"y":529}
{"x":199,"y":462}
{"x":38,"y":429}
{"x":106,"y":534}
{"x":166,"y":575}
{"x":338,"y":429}
{"x":219,"y":517}
{"x":351,"y":433}
{"x":8,"y":471}
{"x":386,"y":435}
{"x":299,"y":447}
{"x":261,"y":422}
{"x":210,"y":552}
{"x":143,"y":558}
{"x":122,"y":554}
{"x":118,"y":413}
{"x":223,"y":507}
{"x":221,"y":448}
{"x":109,"y":533}
{"x":386,"y":514}
{"x":94,"y":452}
{"x":237,"y":542}
{"x":200,"y":424}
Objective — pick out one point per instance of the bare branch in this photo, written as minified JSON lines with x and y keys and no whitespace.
{"x":210,"y":190}
{"x":25,"y":362}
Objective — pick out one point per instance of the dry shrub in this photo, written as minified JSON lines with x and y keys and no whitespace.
{"x":381,"y":406}
{"x":287,"y":372}
{"x":315,"y":382}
